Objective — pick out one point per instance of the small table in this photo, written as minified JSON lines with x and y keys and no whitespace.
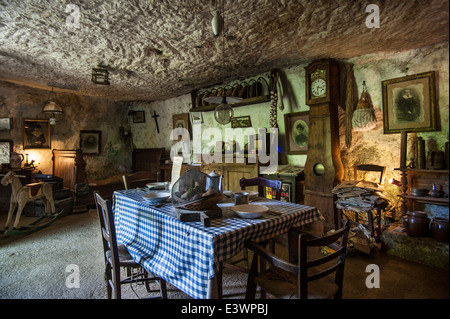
{"x":187,"y":254}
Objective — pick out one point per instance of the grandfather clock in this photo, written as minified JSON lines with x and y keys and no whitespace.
{"x":323,"y":167}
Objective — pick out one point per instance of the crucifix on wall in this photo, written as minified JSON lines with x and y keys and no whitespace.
{"x":155,"y":116}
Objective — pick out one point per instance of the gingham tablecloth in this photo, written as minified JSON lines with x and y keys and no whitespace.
{"x":187,"y":254}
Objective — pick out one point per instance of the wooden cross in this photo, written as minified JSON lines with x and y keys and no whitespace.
{"x":156,"y":120}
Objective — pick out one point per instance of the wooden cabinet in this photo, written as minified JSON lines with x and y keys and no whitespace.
{"x":232,"y":173}
{"x":422,"y":179}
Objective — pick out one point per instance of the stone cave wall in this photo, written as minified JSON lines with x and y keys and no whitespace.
{"x":371,"y":147}
{"x":80,"y":113}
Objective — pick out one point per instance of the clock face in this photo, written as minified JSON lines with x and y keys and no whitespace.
{"x":318,"y":88}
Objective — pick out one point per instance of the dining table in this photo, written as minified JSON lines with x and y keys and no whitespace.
{"x":188,"y":254}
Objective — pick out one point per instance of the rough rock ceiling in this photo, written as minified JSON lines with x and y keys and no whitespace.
{"x":164,"y":48}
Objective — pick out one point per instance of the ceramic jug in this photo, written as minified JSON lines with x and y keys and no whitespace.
{"x":16,"y":160}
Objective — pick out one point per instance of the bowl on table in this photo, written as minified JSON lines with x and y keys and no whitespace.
{"x":252,"y":194}
{"x":250,"y":210}
{"x":156,"y":185}
{"x":156,"y":197}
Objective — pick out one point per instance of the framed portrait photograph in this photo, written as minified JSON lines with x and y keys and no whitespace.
{"x":241,"y":121}
{"x":138,"y":117}
{"x":90,"y":142}
{"x":297,"y":132}
{"x":6,"y":148}
{"x":36,"y":134}
{"x":409,"y":103}
{"x":180,"y":122}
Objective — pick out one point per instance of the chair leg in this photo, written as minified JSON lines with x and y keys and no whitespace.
{"x":220,"y":281}
{"x":250,"y":291}
{"x":163,"y":288}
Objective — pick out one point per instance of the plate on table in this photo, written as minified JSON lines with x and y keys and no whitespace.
{"x":156,"y":185}
{"x":250,"y":210}
{"x":156,"y":197}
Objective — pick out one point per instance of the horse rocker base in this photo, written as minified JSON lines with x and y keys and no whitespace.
{"x":21,"y":195}
{"x":34,"y":226}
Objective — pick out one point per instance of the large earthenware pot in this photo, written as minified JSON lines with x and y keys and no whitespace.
{"x":439,"y":229}
{"x":416,"y":223}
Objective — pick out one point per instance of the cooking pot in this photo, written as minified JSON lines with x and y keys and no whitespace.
{"x":439,"y":229}
{"x":416,"y":223}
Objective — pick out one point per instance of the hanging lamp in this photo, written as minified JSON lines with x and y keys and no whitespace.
{"x":223,"y":112}
{"x":52,"y":106}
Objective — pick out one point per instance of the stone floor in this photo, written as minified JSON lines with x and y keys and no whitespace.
{"x":75,"y":239}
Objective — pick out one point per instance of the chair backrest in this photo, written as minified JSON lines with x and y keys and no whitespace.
{"x":261,"y":181}
{"x":138,"y":179}
{"x":337,"y":242}
{"x":370,"y":168}
{"x":108,"y":231}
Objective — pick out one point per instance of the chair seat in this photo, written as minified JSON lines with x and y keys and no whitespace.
{"x":284,"y":285}
{"x":125,"y":258}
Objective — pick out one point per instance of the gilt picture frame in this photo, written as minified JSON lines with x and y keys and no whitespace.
{"x":241,"y":121}
{"x":181,"y":121}
{"x":36,"y":134}
{"x":297,"y":132}
{"x":409,"y":103}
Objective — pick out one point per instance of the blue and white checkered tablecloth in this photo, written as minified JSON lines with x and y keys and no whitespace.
{"x":187,"y":254}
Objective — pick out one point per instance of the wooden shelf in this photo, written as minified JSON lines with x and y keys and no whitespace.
{"x":421,"y":179}
{"x":427,"y":199}
{"x":252,"y":100}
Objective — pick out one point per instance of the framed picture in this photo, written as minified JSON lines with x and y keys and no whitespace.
{"x":181,"y":121}
{"x":36,"y":134}
{"x":90,"y":142}
{"x":296,"y":126}
{"x":241,"y":121}
{"x":196,"y":117}
{"x":138,"y":117}
{"x":409,"y":103}
{"x":5,"y":151}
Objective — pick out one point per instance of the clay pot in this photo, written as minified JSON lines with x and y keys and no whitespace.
{"x":439,"y":229}
{"x":416,"y":223}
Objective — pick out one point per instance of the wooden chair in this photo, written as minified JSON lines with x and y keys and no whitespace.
{"x":261,"y":182}
{"x":374,"y":226}
{"x":138,"y":179}
{"x":117,"y":256}
{"x":319,"y":278}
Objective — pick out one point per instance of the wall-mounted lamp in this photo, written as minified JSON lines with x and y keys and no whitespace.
{"x":52,"y":106}
{"x":100,"y":76}
{"x":395,"y":182}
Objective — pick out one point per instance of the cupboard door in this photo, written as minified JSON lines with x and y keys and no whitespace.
{"x":232,"y":175}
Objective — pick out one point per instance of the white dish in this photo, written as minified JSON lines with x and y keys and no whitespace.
{"x":156,"y":197}
{"x":156,"y":185}
{"x":250,"y":210}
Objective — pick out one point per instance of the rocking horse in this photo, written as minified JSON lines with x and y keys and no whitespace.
{"x":20,"y":196}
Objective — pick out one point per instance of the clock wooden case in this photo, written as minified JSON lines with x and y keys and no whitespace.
{"x":323,"y":167}
{"x":322,"y":82}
